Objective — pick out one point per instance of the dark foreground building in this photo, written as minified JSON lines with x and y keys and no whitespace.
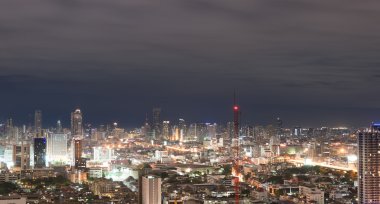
{"x":39,"y":152}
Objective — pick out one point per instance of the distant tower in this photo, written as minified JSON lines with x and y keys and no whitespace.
{"x":9,"y":127}
{"x":157,"y":122}
{"x":279,"y":127}
{"x":182,"y":129}
{"x":369,"y":165}
{"x":38,"y":123}
{"x":76,"y":123}
{"x":59,"y":127}
{"x":9,"y":124}
{"x":146,"y":128}
{"x":151,"y":189}
{"x":39,"y":152}
{"x":166,"y":130}
{"x":236,"y":111}
{"x":297,"y":131}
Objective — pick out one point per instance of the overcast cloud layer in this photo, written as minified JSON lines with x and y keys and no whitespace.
{"x":309,"y":62}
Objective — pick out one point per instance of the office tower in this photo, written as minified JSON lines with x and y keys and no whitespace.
{"x":9,"y":123}
{"x":77,"y":123}
{"x":192,"y":132}
{"x":151,"y":189}
{"x":38,"y":123}
{"x":279,"y":128}
{"x":297,"y":131}
{"x":39,"y":152}
{"x":77,"y":152}
{"x":59,"y":127}
{"x":201,"y":131}
{"x":182,"y":129}
{"x":166,"y":130}
{"x":156,"y":122}
{"x":21,"y":156}
{"x":57,"y":148}
{"x":369,"y":165}
{"x":143,"y":171}
{"x":145,"y":130}
{"x":9,"y":128}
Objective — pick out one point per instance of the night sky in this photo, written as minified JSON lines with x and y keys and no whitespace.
{"x":312,"y":63}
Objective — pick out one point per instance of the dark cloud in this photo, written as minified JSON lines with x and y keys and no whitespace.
{"x":310,"y":62}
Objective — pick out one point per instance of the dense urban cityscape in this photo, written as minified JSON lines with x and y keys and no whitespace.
{"x":174,"y":162}
{"x":189,"y":102}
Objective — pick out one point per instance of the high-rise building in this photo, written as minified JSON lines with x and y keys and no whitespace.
{"x":21,"y":156}
{"x":151,"y":189}
{"x":38,"y":123}
{"x":9,"y":128}
{"x":182,"y":129}
{"x":156,"y":122}
{"x":77,"y":152}
{"x":369,"y":165}
{"x":77,"y":123}
{"x":297,"y":131}
{"x":279,"y":132}
{"x":59,"y":127}
{"x":145,"y":129}
{"x":57,"y":148}
{"x":39,"y":152}
{"x":166,"y":130}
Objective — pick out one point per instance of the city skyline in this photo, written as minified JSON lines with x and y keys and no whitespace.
{"x":66,"y":121}
{"x":189,"y":101}
{"x":308,"y":63}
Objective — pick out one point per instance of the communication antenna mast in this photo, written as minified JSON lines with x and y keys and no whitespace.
{"x":236,"y":110}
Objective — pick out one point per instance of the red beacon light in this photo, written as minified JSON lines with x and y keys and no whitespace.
{"x":236,"y":107}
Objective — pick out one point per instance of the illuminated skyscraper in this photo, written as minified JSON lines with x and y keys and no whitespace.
{"x":57,"y":147}
{"x":38,"y":123}
{"x":166,"y":130}
{"x":39,"y":152}
{"x":77,"y":152}
{"x":156,"y":123}
{"x":76,"y":123}
{"x":182,"y":129}
{"x":151,"y":189}
{"x":369,"y":165}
